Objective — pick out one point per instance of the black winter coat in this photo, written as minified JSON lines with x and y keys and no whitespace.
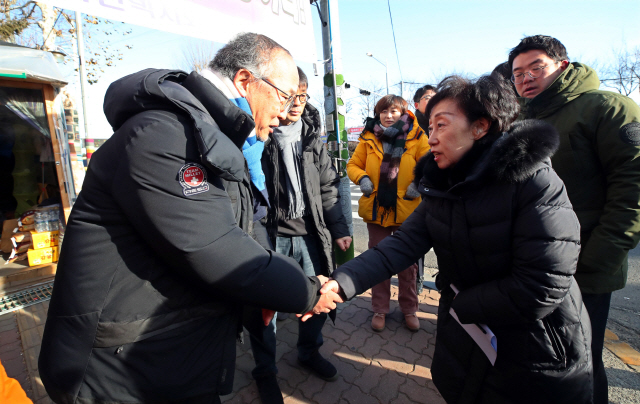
{"x":505,"y":234}
{"x":321,"y":183}
{"x":156,"y":262}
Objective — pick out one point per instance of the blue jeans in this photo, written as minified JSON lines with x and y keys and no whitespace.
{"x":305,"y":251}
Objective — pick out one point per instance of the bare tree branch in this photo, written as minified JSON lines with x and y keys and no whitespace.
{"x":197,"y":54}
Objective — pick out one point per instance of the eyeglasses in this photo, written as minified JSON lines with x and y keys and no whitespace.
{"x":534,"y":73}
{"x":426,"y":97}
{"x":288,"y":99}
{"x":302,"y":98}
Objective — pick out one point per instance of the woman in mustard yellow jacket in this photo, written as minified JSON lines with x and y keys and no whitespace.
{"x":383,"y":163}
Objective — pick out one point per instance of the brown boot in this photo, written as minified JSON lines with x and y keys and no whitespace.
{"x":411,"y":321}
{"x":377,"y":322}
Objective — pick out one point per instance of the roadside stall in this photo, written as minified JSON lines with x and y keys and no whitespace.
{"x":37,"y":188}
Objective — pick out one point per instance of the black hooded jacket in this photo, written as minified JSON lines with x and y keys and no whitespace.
{"x":505,"y":235}
{"x":321,"y":183}
{"x":156,"y":262}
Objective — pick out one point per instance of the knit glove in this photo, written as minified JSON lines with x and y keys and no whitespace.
{"x":366,"y":186}
{"x":412,"y":192}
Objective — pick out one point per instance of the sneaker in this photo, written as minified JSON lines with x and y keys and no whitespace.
{"x":377,"y":322}
{"x":321,"y":367}
{"x":411,"y":321}
{"x":269,"y":390}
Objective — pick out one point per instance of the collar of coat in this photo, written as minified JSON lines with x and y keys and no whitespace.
{"x":576,"y":80}
{"x":510,"y":157}
{"x":220,"y":126}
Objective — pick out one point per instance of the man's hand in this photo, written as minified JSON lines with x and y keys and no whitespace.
{"x":323,"y":279}
{"x":327,"y":302}
{"x":343,"y":243}
{"x":331,"y":286}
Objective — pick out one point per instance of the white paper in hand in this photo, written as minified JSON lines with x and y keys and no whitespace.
{"x":480,"y":333}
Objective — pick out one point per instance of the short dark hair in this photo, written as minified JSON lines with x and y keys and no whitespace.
{"x":420,"y":92}
{"x":303,"y":78}
{"x":488,"y":96}
{"x":550,"y":45}
{"x":503,"y":70}
{"x":246,"y":51}
{"x":389,"y":101}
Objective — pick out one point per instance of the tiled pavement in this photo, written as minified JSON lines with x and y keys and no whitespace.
{"x":20,"y":339}
{"x":388,"y":367}
{"x":392,"y":366}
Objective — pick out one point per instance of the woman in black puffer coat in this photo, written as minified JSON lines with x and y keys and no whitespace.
{"x":503,"y":229}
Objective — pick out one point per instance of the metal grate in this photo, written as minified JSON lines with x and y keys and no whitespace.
{"x":26,"y":298}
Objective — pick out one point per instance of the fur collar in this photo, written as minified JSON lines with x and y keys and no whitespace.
{"x":513,"y":157}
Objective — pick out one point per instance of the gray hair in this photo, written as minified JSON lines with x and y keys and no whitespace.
{"x":246,"y":51}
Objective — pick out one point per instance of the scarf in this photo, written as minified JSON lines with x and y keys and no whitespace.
{"x":288,"y":139}
{"x":393,"y":140}
{"x":252,"y":147}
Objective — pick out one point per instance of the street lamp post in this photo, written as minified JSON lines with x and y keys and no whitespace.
{"x":386,"y":69}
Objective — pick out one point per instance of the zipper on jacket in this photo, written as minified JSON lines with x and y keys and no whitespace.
{"x":556,"y":344}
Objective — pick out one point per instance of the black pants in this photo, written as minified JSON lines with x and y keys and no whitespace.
{"x":598,"y":308}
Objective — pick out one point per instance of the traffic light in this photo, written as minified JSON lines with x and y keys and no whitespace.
{"x":365,"y":92}
{"x":347,"y":85}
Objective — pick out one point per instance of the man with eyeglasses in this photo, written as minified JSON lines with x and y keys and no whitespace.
{"x":599,"y":162}
{"x":420,"y":100}
{"x":304,"y":218}
{"x":158,"y":261}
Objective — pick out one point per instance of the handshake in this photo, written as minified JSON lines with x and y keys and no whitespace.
{"x":329,"y":296}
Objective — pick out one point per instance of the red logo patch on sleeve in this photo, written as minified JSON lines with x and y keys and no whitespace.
{"x":193,"y":178}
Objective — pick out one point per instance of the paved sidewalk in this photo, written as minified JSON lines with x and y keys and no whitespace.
{"x":392,"y":366}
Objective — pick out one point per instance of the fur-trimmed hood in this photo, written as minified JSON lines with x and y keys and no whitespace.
{"x":511,"y":157}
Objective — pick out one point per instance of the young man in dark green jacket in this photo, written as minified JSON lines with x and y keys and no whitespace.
{"x":599,"y":162}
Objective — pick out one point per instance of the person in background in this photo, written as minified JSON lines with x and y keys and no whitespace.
{"x":499,"y":219}
{"x":420,"y":100}
{"x":383,"y":165}
{"x":304,"y":219}
{"x":599,"y":162}
{"x":157,"y":260}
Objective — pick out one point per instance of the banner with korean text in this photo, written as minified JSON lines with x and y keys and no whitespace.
{"x":288,"y":22}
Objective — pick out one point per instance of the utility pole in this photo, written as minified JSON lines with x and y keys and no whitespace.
{"x":82,"y":84}
{"x":334,"y":88}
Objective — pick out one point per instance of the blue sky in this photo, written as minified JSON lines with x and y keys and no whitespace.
{"x":434,"y":38}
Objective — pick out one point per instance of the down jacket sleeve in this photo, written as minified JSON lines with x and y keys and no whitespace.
{"x":545,"y":248}
{"x":357,"y":163}
{"x":391,"y":256}
{"x":197,"y":234}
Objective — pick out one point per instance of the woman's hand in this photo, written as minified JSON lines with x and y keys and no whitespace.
{"x":366,"y":186}
{"x":327,"y":302}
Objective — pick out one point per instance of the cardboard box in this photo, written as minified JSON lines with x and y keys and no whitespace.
{"x":7,"y":232}
{"x":44,"y":239}
{"x":42,"y":256}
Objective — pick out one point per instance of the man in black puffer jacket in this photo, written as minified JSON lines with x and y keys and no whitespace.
{"x":157,"y":261}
